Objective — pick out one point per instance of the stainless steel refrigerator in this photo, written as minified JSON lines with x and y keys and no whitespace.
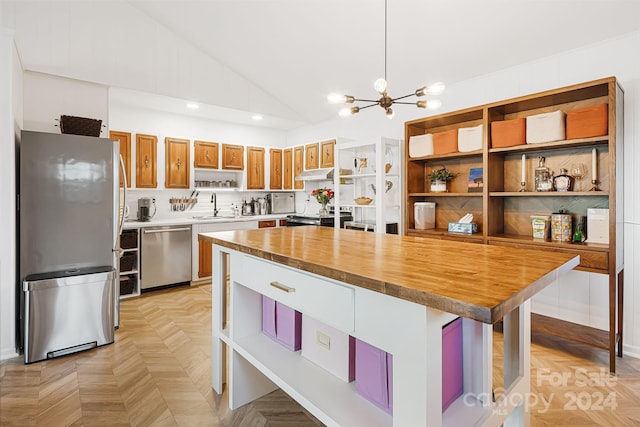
{"x":70,"y":225}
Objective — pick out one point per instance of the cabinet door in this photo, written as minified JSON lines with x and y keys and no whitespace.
{"x":311,"y":158}
{"x":146,"y":161}
{"x":326,"y":152}
{"x":255,"y":168}
{"x":275,"y":169}
{"x":232,"y":157}
{"x":177,"y":163}
{"x":205,"y":155}
{"x":287,"y":169}
{"x":204,"y":259}
{"x":125,"y":152}
{"x":298,"y":166}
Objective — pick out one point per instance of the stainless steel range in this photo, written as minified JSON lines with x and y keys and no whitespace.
{"x":327,"y":221}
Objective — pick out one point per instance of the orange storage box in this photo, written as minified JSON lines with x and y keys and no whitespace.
{"x":588,"y":122}
{"x":445,"y":142}
{"x":507,"y":133}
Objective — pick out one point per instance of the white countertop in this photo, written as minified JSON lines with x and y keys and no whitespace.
{"x":190,"y":220}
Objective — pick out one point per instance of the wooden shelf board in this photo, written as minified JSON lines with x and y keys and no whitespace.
{"x":572,"y":331}
{"x":529,"y":240}
{"x":437,"y":232}
{"x":125,"y":273}
{"x":569,"y":143}
{"x":549,"y":193}
{"x":447,"y":156}
{"x":445,"y":194}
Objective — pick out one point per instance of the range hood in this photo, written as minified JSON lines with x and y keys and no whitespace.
{"x":324,"y":174}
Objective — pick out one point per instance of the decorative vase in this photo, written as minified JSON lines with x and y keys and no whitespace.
{"x":438,"y":186}
{"x":323,"y":212}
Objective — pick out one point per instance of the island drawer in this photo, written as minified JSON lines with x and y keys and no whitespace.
{"x":322,"y":299}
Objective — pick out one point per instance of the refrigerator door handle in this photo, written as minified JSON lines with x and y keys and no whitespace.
{"x":124,"y":192}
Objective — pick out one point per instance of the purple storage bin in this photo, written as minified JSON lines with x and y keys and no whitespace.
{"x":374,"y":375}
{"x":452,"y":382}
{"x":269,"y":317}
{"x":288,"y":327}
{"x":281,"y":323}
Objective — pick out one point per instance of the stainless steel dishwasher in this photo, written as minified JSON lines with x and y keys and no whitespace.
{"x":166,"y":256}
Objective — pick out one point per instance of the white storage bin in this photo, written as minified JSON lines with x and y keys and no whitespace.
{"x":328,"y":348}
{"x":598,"y":226}
{"x":470,"y":139}
{"x":421,"y":145}
{"x":425,"y":215}
{"x":546,"y":127}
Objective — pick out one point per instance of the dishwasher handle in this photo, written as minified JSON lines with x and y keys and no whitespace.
{"x":166,"y":230}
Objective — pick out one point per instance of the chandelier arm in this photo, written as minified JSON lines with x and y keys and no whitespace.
{"x":403,"y":97}
{"x":405,"y":103}
{"x":366,"y":100}
{"x":370,"y":105}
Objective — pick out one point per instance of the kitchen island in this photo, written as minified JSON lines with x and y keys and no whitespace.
{"x":393,"y":292}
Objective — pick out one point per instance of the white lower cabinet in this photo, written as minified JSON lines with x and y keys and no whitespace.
{"x":252,"y":364}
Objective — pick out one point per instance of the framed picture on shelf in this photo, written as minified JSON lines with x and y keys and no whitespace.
{"x":475,"y":180}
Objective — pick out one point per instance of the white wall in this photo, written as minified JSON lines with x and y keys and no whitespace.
{"x":580,"y":297}
{"x":47,"y":97}
{"x":10,"y":125}
{"x":163,"y":124}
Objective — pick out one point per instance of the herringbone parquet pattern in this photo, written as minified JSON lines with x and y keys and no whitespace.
{"x":158,"y":373}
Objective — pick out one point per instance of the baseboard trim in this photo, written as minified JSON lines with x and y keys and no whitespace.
{"x":8,"y":354}
{"x":631,"y":351}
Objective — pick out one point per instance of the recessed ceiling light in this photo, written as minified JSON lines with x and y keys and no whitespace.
{"x":257,"y":117}
{"x":193,"y":106}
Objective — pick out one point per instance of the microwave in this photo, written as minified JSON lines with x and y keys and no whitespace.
{"x":283,"y":203}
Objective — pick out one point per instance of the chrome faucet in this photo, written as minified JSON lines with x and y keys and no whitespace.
{"x":214,"y":200}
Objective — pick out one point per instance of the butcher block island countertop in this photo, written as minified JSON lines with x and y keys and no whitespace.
{"x":480,"y":282}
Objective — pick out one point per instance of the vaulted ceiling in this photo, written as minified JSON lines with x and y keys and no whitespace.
{"x":282,"y":57}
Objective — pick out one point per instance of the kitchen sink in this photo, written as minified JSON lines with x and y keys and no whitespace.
{"x":209,"y":217}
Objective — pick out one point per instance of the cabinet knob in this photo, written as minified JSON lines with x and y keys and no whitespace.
{"x":146,"y":161}
{"x":206,"y":154}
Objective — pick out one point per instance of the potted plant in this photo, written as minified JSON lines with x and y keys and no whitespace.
{"x":323,"y":196}
{"x":439,"y":179}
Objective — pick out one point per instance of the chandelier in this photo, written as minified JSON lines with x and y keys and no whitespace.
{"x":380,"y":85}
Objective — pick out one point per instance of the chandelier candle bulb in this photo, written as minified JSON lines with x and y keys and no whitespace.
{"x":523,"y":178}
{"x":594,"y":166}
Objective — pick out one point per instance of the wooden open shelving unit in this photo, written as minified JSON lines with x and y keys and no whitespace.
{"x":503,"y":213}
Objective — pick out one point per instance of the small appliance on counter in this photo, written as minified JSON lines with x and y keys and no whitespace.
{"x":144,"y":208}
{"x":283,"y":203}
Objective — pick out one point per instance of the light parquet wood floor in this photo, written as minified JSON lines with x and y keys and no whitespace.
{"x":158,"y":373}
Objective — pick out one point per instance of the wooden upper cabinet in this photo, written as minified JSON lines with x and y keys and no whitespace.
{"x":287,"y":169}
{"x":275,"y":169}
{"x":311,"y":157}
{"x":205,"y":155}
{"x":255,"y":168}
{"x":232,"y":157}
{"x":326,"y":153}
{"x":146,"y":161}
{"x":125,"y":152}
{"x":177,"y":163}
{"x":298,"y":166}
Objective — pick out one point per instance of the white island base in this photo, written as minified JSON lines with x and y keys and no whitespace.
{"x":255,"y":365}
